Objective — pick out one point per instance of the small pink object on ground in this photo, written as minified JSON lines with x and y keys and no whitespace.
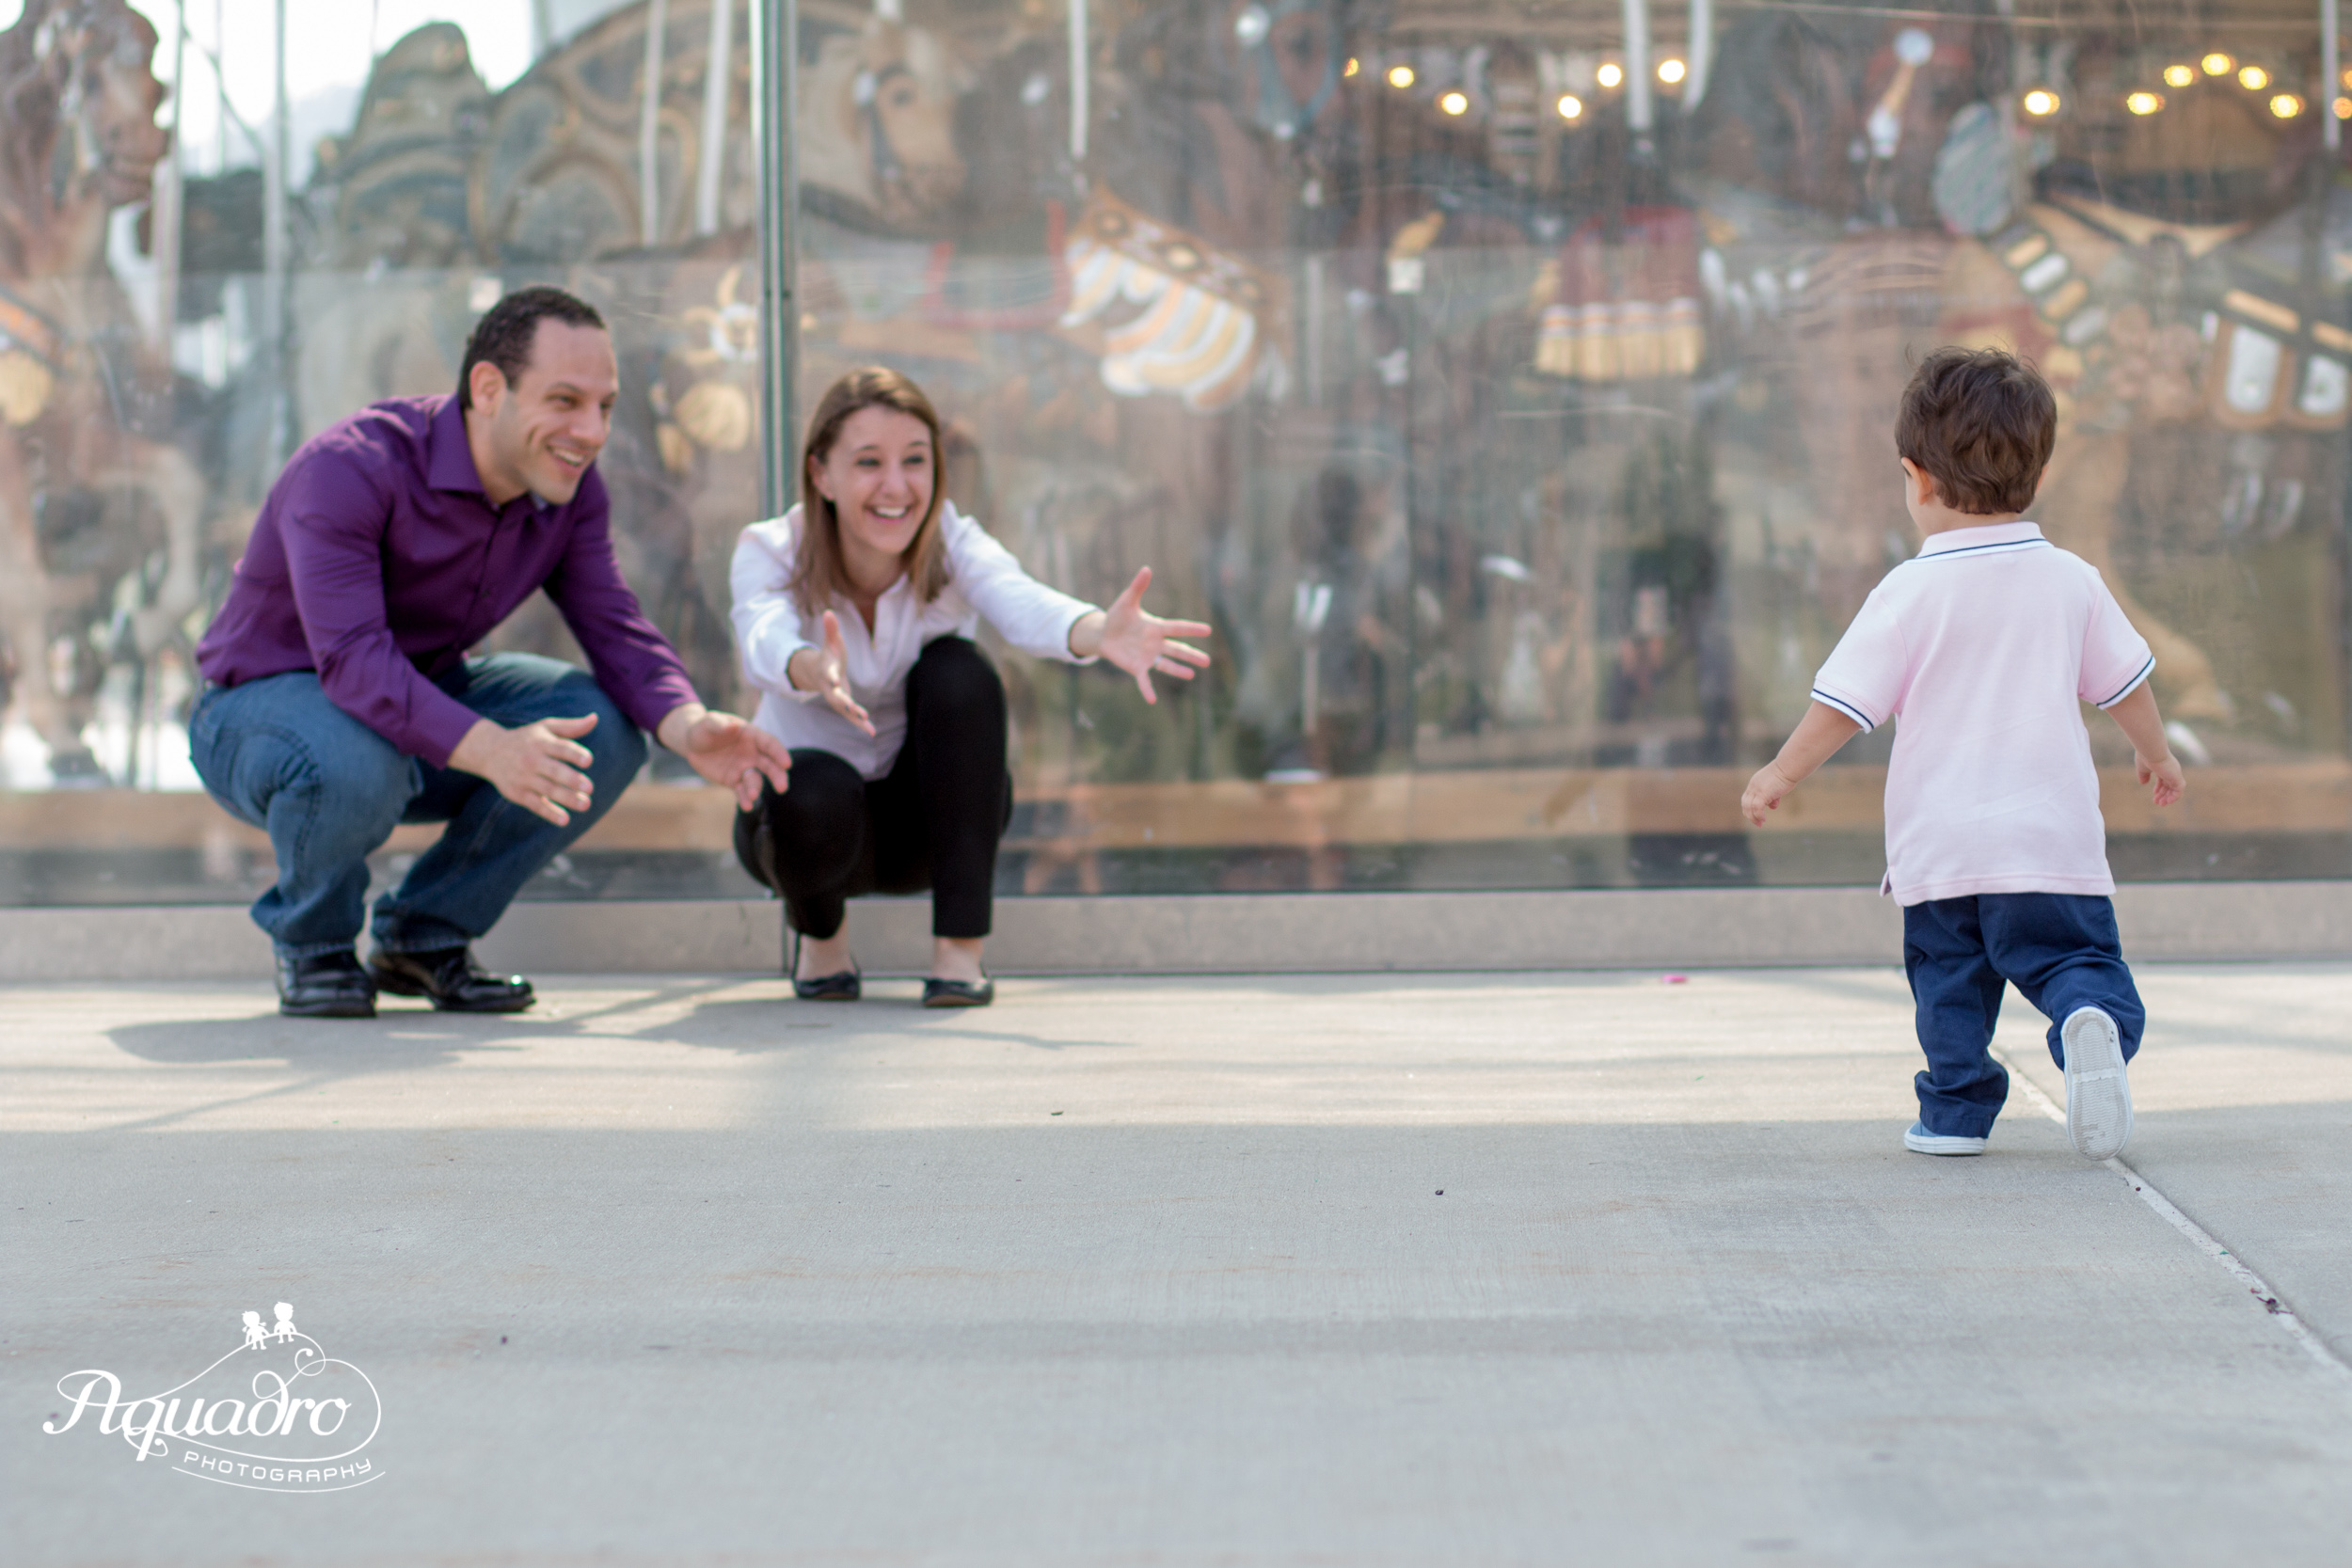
{"x":1674,"y":979}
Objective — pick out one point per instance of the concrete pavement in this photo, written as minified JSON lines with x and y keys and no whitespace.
{"x":1495,"y":1268}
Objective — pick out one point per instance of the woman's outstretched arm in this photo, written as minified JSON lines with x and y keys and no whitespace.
{"x":1050,"y":624}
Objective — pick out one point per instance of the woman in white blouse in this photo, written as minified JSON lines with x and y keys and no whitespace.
{"x":855,"y":613}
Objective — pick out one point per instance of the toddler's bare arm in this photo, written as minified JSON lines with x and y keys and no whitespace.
{"x":2137,"y":718}
{"x":1817,"y":737}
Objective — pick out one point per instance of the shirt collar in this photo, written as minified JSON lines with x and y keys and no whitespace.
{"x":449,"y":460}
{"x":2020,"y":533}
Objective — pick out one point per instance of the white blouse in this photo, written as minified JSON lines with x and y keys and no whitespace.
{"x":983,"y":578}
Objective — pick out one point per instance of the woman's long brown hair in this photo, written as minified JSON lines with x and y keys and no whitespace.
{"x":818,"y":575}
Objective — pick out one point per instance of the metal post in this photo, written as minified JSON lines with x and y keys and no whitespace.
{"x":220,"y":88}
{"x":170,"y":186}
{"x":1702,"y":53}
{"x":2331,"y":85}
{"x":278,"y":253}
{"x":1080,"y":81}
{"x":776,"y":53}
{"x":717,"y":85}
{"x":650,"y":128}
{"x":1637,"y":67}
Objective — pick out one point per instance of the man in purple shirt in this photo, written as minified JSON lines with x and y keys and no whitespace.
{"x":340,"y":698}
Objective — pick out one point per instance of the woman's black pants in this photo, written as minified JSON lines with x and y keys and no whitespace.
{"x":934,"y":821}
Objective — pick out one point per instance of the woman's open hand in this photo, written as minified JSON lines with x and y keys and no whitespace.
{"x":1139,"y":641}
{"x":825,"y":671}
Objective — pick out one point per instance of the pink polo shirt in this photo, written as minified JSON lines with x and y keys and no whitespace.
{"x":1982,"y":643}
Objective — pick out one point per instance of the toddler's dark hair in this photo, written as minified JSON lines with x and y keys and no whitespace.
{"x":1980,"y":424}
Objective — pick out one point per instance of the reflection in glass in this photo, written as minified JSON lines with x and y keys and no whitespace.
{"x":1522,"y":425}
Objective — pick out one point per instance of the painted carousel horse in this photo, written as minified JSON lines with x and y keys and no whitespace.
{"x":875,"y":113}
{"x":99,"y":523}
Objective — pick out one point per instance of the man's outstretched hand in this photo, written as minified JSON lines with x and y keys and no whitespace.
{"x":537,"y":765}
{"x":725,"y":750}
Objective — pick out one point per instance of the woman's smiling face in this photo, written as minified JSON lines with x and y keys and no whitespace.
{"x":878,"y":477}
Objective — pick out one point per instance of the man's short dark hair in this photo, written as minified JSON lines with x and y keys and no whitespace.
{"x":504,"y":335}
{"x":1981,"y":423}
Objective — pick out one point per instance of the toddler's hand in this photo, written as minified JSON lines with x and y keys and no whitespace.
{"x":2165,"y":773}
{"x":1764,"y":792}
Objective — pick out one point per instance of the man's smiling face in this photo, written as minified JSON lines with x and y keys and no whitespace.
{"x":543,"y":430}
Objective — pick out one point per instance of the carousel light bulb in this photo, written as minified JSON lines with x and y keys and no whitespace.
{"x":2286,"y":105}
{"x":2218,"y":64}
{"x":2343,"y":108}
{"x":1400,"y":76}
{"x":1672,"y":71}
{"x":1455,"y":103}
{"x":2144,"y":103}
{"x":1570,"y":105}
{"x":1610,"y":73}
{"x":1353,"y":65}
{"x":2179,"y":76}
{"x":2041,"y":102}
{"x":2253,"y":78}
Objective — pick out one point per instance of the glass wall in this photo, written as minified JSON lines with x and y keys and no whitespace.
{"x":1510,"y":385}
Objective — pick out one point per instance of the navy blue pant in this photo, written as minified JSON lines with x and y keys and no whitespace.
{"x":2059,"y":949}
{"x":279,"y":753}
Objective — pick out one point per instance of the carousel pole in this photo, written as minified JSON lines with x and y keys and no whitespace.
{"x":650,"y":128}
{"x":170,"y":191}
{"x":717,"y":81}
{"x":278,"y":252}
{"x":1702,"y":53}
{"x":2332,"y":84}
{"x":778,"y":28}
{"x":220,"y":87}
{"x":1080,"y":81}
{"x":1637,"y":68}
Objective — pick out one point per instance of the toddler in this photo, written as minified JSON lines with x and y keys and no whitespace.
{"x":1982,"y":643}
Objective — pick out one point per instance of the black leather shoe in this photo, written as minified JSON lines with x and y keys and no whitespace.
{"x":328,"y":985}
{"x":843,"y":986}
{"x":958,"y":994}
{"x":452,"y":979}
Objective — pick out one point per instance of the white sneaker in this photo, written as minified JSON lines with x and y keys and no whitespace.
{"x":2098,"y":1094}
{"x":1920,"y":1141}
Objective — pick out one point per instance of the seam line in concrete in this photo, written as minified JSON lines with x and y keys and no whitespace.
{"x":2272,"y":1302}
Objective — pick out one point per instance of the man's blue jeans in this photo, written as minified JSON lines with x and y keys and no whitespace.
{"x":2059,"y":949}
{"x":278,"y":753}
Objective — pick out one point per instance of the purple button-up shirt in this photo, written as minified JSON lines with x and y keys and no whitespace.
{"x":378,"y":562}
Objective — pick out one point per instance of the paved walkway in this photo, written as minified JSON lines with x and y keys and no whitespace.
{"x":1468,"y":1269}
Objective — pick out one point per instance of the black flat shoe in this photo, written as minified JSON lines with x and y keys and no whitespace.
{"x":329,"y":985}
{"x":451,"y":978}
{"x":958,"y":994}
{"x":843,"y":986}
